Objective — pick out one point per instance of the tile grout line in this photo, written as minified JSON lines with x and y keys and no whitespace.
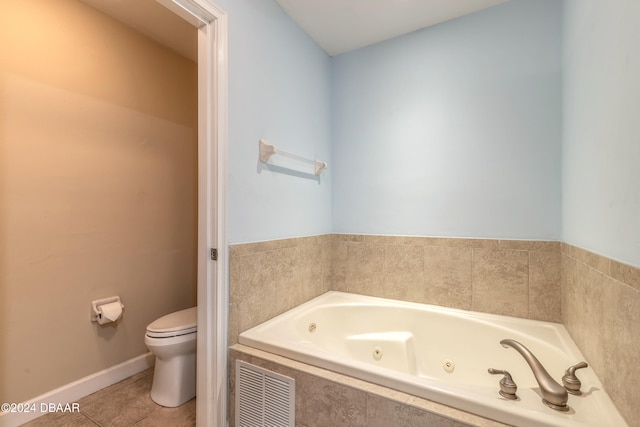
{"x":90,"y":419}
{"x":471,"y":277}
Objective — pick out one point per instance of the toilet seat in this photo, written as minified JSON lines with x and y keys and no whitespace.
{"x":176,"y":324}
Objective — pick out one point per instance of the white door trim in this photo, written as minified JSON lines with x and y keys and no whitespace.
{"x":211,"y":21}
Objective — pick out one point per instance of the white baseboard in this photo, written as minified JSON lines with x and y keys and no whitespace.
{"x":72,"y":392}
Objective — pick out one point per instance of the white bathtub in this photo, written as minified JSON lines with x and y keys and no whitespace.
{"x":437,"y":353}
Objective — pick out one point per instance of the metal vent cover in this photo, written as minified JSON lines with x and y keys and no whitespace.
{"x":263,"y":398}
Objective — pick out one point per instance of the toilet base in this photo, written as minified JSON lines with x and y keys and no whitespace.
{"x":174,"y":380}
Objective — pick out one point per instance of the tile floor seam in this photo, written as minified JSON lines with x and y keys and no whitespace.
{"x":91,"y":419}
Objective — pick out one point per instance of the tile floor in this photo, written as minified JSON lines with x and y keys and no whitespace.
{"x":123,"y":404}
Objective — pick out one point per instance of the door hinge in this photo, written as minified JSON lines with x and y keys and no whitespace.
{"x":213,"y":253}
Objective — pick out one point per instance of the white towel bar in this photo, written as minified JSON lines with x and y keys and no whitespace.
{"x":267,"y":150}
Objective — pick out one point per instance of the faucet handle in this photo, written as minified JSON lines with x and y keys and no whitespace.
{"x":507,"y":387}
{"x":570,"y":381}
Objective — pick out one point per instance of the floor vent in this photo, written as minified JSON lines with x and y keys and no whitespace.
{"x":263,"y":398}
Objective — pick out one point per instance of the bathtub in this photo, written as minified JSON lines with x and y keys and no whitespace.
{"x":437,"y":353}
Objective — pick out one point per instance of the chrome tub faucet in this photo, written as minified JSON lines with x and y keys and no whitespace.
{"x":553,"y":394}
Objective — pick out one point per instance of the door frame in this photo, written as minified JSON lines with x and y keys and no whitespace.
{"x":211,"y":384}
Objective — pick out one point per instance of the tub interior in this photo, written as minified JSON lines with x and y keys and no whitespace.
{"x":417,"y":343}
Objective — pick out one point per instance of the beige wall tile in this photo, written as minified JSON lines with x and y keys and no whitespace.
{"x":326,"y":238}
{"x":289,"y":290}
{"x":545,"y":298}
{"x":596,"y":261}
{"x":626,"y":274}
{"x":365,"y":267}
{"x":348,"y":238}
{"x":602,"y":315}
{"x":403,"y":272}
{"x":309,"y":240}
{"x":234,"y":323}
{"x":387,"y":240}
{"x":425,"y":241}
{"x":403,"y":258}
{"x":338,"y":267}
{"x":569,"y":291}
{"x":256,"y":307}
{"x":621,"y":346}
{"x":592,"y":318}
{"x":448,"y":276}
{"x":406,"y":286}
{"x":473,"y":243}
{"x":573,"y":297}
{"x":320,"y":402}
{"x":383,"y":412}
{"x":271,"y":278}
{"x":500,"y":282}
{"x":249,"y":272}
{"x":530,"y":245}
{"x":326,"y":264}
{"x":311,"y":271}
{"x":250,"y":278}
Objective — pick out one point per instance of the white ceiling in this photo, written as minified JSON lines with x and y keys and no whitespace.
{"x":340,"y":26}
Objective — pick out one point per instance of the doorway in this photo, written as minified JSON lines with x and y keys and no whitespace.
{"x":211,"y":23}
{"x":212,"y":295}
{"x":62,"y":288}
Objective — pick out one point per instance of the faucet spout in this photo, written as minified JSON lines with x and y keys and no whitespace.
{"x":553,"y":394}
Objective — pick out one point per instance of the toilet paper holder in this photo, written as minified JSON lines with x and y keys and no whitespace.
{"x":96,"y":313}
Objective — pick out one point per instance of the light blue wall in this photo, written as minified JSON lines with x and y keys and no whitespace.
{"x":279,"y":90}
{"x":454,"y":130}
{"x":601,"y":148}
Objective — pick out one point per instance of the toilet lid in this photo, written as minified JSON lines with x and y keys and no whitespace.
{"x":178,"y":323}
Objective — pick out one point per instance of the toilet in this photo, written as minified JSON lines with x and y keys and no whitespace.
{"x":172,"y":339}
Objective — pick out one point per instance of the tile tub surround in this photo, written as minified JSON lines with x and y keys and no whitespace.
{"x":325,"y":398}
{"x":269,"y":278}
{"x":601,"y":311}
{"x":597,"y":299}
{"x":511,"y":277}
